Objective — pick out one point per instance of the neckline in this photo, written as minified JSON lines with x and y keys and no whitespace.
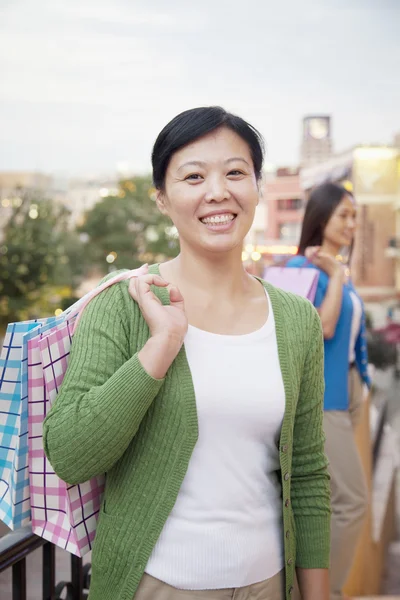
{"x":272,"y":308}
{"x":236,"y":339}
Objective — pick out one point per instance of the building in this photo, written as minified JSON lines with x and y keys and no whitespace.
{"x":285,"y":202}
{"x":373,"y":174}
{"x":316,"y":146}
{"x":276,"y":229}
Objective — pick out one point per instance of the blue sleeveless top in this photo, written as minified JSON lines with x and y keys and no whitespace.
{"x":337,"y":348}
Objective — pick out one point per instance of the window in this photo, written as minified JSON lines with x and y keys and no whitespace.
{"x":290,"y":204}
{"x":289,"y":232}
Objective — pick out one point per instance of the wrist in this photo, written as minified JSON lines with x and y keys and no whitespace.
{"x":167,"y":340}
{"x":159,"y":353}
{"x":338,"y":272}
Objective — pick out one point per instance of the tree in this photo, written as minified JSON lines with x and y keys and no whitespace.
{"x":128,"y":230}
{"x":41,"y":259}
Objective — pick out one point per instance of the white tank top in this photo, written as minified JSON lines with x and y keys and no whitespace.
{"x":225,"y":529}
{"x":355,"y":325}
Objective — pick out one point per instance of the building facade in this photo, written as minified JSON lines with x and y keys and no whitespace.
{"x":285,"y":202}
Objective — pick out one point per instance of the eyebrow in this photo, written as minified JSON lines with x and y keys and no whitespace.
{"x":200,"y":163}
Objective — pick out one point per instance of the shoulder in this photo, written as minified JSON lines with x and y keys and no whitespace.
{"x":113,"y":300}
{"x":296,"y":261}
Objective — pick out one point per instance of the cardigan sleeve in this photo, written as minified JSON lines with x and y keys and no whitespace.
{"x":104,"y":396}
{"x":310,"y":480}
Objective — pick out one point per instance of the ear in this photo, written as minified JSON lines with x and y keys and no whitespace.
{"x":161,"y":202}
{"x":260,"y":186}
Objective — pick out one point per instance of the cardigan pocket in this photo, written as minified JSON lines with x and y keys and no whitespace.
{"x":106,"y":541}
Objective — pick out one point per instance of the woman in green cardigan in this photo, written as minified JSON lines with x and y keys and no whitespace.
{"x":198,"y":390}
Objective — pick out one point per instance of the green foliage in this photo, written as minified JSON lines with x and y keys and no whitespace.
{"x":37,"y":252}
{"x":130,"y":226}
{"x":43,"y":260}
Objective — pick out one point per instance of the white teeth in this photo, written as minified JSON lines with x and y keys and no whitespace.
{"x":218,"y":219}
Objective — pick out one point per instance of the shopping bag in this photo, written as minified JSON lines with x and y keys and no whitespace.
{"x":14,"y":480}
{"x":64,"y":514}
{"x":300,"y":281}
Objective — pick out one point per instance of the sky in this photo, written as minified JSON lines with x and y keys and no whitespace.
{"x":86,"y":85}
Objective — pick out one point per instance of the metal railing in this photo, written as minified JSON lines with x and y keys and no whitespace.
{"x":14,"y":549}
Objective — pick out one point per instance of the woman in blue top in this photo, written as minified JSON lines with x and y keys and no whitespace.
{"x":328,"y":228}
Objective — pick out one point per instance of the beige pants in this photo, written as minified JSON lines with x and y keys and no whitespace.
{"x":348,"y":486}
{"x":270,"y":589}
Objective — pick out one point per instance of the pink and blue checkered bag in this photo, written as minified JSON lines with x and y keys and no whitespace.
{"x":14,"y":481}
{"x":64,"y":514}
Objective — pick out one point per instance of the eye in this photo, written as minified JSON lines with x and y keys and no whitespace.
{"x":193,"y":177}
{"x":235,"y":172}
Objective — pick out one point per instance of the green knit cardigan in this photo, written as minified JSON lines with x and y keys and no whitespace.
{"x":112,"y":417}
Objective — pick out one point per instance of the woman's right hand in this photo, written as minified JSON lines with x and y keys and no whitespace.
{"x":169,"y":320}
{"x":168,"y":324}
{"x":324,"y":261}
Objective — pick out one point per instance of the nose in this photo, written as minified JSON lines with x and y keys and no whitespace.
{"x":217,"y":190}
{"x":351,"y":223}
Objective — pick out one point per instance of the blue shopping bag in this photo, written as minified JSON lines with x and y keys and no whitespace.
{"x":14,"y":479}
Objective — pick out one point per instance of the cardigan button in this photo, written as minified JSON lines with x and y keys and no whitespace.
{"x":287,"y":503}
{"x":284,"y":448}
{"x":287,"y":534}
{"x":290,"y":561}
{"x":286,"y":477}
{"x":291,"y":590}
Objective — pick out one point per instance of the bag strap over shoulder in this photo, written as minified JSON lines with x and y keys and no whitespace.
{"x":80,"y":307}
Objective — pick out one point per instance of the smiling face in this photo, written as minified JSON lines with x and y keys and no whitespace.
{"x":340,"y":229}
{"x":211,"y":192}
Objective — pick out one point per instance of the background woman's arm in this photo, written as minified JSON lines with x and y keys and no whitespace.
{"x":329,"y":311}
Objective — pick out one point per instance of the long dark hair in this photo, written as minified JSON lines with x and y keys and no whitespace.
{"x":322,"y":203}
{"x":192,"y":125}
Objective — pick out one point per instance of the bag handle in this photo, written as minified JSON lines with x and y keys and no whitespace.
{"x":80,"y":306}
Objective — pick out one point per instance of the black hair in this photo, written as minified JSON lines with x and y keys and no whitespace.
{"x":321,"y":204}
{"x":191,"y":125}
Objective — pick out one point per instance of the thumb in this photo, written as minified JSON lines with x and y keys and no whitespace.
{"x":175,"y":295}
{"x":312,"y":252}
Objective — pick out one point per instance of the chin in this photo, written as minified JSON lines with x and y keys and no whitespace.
{"x":219,"y":246}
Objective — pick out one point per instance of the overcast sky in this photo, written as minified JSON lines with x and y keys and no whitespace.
{"x":86,"y":85}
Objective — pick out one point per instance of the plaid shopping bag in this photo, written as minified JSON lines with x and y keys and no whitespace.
{"x":14,"y":480}
{"x":63,"y":514}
